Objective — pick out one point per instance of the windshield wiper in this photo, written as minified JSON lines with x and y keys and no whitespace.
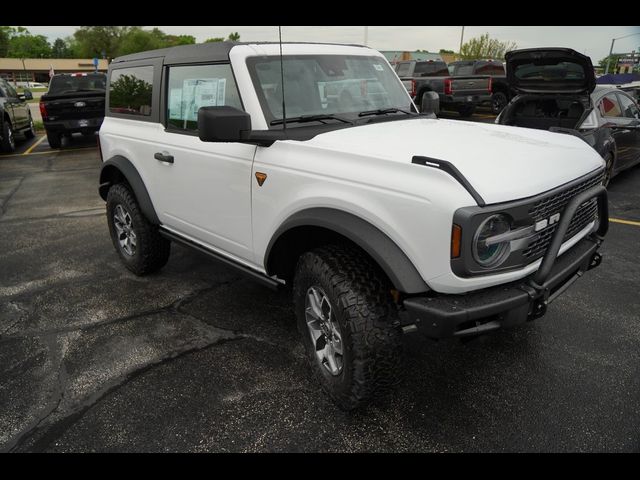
{"x":384,"y":111}
{"x":310,"y":118}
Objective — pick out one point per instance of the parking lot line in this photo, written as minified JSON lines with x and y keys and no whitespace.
{"x":48,"y":152}
{"x":28,"y":151}
{"x":625,"y":222}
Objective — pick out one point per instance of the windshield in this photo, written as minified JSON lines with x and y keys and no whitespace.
{"x":326,"y":85}
{"x":80,"y":82}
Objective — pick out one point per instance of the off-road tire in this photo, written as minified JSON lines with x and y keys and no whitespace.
{"x":8,"y":142}
{"x":360,"y":297}
{"x":54,"y":139}
{"x":152,"y":249}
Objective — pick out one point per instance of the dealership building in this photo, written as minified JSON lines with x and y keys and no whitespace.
{"x":37,"y":69}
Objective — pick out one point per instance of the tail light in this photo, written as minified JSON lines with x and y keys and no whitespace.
{"x":490,"y":84}
{"x":413,"y":88}
{"x":43,"y":111}
{"x":448,"y":90}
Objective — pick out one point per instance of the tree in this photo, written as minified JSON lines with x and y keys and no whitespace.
{"x":485,"y":47}
{"x":173,"y":40}
{"x":92,"y":41}
{"x":60,"y":49}
{"x":130,"y":91}
{"x":5,"y":36}
{"x":215,"y":39}
{"x":234,"y":37}
{"x":442,"y":50}
{"x":613,"y":62}
{"x":139,"y":40}
{"x":23,"y":44}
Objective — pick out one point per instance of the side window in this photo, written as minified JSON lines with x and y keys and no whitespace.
{"x":404,"y":69}
{"x":2,"y":87}
{"x":193,"y":86}
{"x":629,"y":109}
{"x":609,"y":106}
{"x":130,"y":91}
{"x":9,"y":90}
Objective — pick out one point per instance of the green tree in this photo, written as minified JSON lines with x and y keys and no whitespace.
{"x":442,"y":50}
{"x":173,"y":40}
{"x":139,"y":40}
{"x":215,"y":39}
{"x":23,"y":44}
{"x":234,"y":37}
{"x":60,"y":49}
{"x":92,"y":41}
{"x":613,"y":62}
{"x":485,"y":47}
{"x":130,"y":91}
{"x":5,"y":36}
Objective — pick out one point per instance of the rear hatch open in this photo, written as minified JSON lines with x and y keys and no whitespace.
{"x":549,"y":71}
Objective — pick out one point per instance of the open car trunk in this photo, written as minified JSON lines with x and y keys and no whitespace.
{"x":543,"y":112}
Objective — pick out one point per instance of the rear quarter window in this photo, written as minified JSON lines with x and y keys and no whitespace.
{"x":131,"y":91}
{"x":431,"y":69}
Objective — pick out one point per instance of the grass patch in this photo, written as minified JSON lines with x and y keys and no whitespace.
{"x":22,"y":89}
{"x":39,"y":125}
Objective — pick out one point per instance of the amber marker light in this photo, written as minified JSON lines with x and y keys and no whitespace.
{"x":456,"y":236}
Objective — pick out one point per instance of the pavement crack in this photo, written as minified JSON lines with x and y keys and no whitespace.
{"x":47,"y":434}
{"x":3,"y":205}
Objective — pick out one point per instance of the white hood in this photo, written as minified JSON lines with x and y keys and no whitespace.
{"x":502,"y":163}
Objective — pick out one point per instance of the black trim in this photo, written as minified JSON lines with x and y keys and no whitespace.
{"x":129,"y":172}
{"x":391,"y":259}
{"x":253,"y":274}
{"x":453,"y":171}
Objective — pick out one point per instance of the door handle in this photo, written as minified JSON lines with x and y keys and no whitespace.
{"x":163,"y":158}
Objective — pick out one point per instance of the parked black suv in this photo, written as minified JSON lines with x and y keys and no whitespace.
{"x":74,"y":103}
{"x":15,"y":116}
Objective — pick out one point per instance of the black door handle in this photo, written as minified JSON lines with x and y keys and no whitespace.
{"x":163,"y":158}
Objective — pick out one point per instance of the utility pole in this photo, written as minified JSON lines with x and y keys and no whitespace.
{"x":606,"y":70}
{"x":461,"y":40}
{"x":366,"y":36}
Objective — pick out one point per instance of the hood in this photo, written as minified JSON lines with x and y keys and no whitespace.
{"x":501,"y":163}
{"x":550,"y":70}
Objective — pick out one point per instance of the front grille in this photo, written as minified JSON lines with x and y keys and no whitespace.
{"x":556,"y":203}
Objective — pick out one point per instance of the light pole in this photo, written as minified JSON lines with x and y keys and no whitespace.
{"x":25,"y":73}
{"x":461,"y":40}
{"x":613,"y":41}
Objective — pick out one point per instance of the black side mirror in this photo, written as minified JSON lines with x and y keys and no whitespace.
{"x":223,"y":124}
{"x":28,"y":95}
{"x":430,"y":103}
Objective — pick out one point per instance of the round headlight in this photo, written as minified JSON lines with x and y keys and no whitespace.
{"x":496,"y":253}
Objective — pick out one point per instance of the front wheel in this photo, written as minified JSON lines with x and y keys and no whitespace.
{"x":138,"y":242}
{"x":346,"y":317}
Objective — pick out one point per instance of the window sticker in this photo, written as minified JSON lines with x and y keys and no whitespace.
{"x":203,"y":92}
{"x":175,"y":104}
{"x":378,"y":67}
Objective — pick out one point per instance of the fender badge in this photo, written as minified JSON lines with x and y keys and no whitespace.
{"x":261,"y":177}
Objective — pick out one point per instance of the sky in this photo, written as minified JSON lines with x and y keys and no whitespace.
{"x":594,"y":41}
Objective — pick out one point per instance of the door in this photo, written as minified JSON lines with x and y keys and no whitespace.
{"x":611,"y":111}
{"x":205,"y":188}
{"x":631,"y":117}
{"x":19,"y":109}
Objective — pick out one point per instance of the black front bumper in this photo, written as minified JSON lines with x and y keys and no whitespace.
{"x":441,"y":316}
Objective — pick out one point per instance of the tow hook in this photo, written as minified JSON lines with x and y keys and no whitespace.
{"x":596,"y":260}
{"x":540,"y":299}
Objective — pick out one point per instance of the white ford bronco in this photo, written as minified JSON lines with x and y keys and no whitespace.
{"x":307,"y":166}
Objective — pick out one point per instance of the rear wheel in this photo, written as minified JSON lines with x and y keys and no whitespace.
{"x":138,"y":242}
{"x":346,"y":318}
{"x":498,"y":102}
{"x":8,"y":140}
{"x":31,"y":131}
{"x":54,"y":139}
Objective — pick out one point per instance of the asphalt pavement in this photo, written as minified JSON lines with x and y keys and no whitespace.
{"x":198,"y":359}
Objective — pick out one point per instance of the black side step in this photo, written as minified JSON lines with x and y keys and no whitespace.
{"x":243,"y":269}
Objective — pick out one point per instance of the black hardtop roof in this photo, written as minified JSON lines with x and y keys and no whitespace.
{"x":214,"y":51}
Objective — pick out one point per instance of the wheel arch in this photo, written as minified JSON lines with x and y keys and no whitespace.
{"x":314,"y":227}
{"x":118,"y":169}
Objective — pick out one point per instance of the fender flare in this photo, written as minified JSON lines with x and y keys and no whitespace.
{"x":384,"y":251}
{"x":119,"y":165}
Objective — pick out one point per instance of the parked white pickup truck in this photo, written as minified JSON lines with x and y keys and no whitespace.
{"x":313,"y":171}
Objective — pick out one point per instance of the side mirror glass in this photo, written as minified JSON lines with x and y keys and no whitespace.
{"x":223,"y":124}
{"x":28,"y":95}
{"x":430,"y":103}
